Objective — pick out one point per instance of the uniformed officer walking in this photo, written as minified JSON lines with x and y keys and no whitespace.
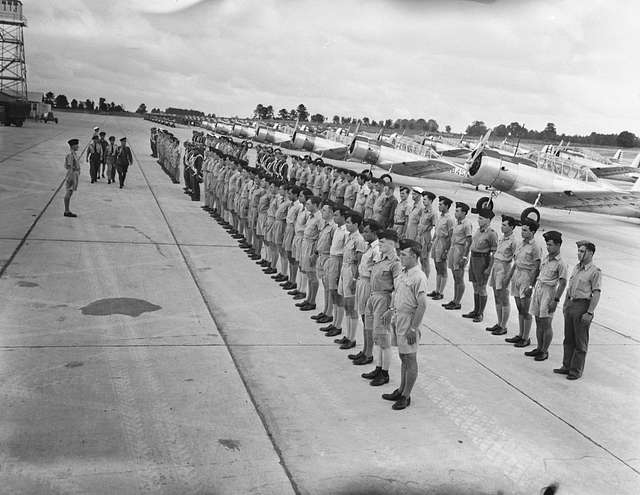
{"x":123,"y":160}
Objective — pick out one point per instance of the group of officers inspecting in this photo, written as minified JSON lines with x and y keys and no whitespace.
{"x":307,"y":222}
{"x":104,"y":157}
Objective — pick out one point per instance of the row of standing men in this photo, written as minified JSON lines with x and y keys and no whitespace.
{"x":236,"y":193}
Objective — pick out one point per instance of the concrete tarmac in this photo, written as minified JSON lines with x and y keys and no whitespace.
{"x":143,"y":352}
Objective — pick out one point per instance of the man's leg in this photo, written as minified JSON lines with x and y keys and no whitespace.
{"x":67,"y":200}
{"x":411,"y":370}
{"x":568,"y":343}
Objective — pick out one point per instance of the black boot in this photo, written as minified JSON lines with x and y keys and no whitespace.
{"x":372,"y":374}
{"x":476,"y":304}
{"x":480,"y":313}
{"x":381,"y":379}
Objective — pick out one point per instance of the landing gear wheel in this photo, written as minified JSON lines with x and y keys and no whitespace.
{"x":530,"y":213}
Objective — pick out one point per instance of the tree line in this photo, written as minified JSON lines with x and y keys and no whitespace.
{"x":515,"y":130}
{"x":61,"y":101}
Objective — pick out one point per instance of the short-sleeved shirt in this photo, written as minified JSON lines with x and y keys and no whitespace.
{"x":361,"y":198}
{"x":401,"y":212}
{"x":584,"y":281}
{"x":301,"y":221}
{"x":409,"y":285}
{"x":338,"y":241}
{"x":71,"y":163}
{"x":354,"y":244}
{"x":426,"y":224}
{"x":442,"y":236}
{"x":292,"y":212}
{"x":341,"y":188}
{"x":552,"y":269}
{"x":313,"y":227}
{"x":506,"y":249}
{"x":370,"y":256}
{"x":333,"y":190}
{"x":350,"y":193}
{"x":325,"y":237}
{"x":372,"y":200}
{"x":484,"y":241}
{"x":413,"y":221}
{"x":283,"y":209}
{"x":384,"y":272}
{"x":462,"y":230}
{"x":527,"y":255}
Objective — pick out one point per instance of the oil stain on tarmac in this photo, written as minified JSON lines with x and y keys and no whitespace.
{"x":129,"y":306}
{"x":24,"y":283}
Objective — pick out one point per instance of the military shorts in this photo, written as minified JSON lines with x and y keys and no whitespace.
{"x":499,"y":273}
{"x":332,"y":272}
{"x":542,"y":296}
{"x":377,"y":304}
{"x":278,"y":231}
{"x":400,"y":325}
{"x":477,"y":267}
{"x":320,"y":267}
{"x":344,"y":283}
{"x":71,"y":181}
{"x":520,"y":282}
{"x":363,"y":291}
{"x":287,"y":240}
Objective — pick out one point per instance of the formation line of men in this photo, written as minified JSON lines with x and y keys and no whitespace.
{"x":101,"y":155}
{"x":306,"y":222}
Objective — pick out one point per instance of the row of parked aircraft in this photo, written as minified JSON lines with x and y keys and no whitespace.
{"x":554,"y":177}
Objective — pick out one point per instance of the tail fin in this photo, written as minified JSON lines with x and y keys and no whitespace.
{"x":636,"y":161}
{"x":636,"y":186}
{"x":617,"y":156}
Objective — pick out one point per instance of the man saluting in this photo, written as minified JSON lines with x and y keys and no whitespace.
{"x":72,"y":165}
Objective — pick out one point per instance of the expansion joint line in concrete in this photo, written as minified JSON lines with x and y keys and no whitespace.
{"x":245,"y":383}
{"x":4,"y":267}
{"x":538,"y":403}
{"x":131,"y":243}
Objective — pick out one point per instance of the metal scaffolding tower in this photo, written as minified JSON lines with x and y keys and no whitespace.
{"x":13,"y":69}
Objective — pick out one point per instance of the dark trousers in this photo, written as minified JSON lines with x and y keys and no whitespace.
{"x":94,"y":167}
{"x":576,"y":336}
{"x":122,"y":174}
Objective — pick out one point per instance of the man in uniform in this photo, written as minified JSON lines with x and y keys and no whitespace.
{"x":94,"y":157}
{"x":332,"y":269}
{"x":483,"y":246}
{"x":362,"y":194}
{"x":72,"y":166}
{"x":384,"y":273}
{"x":323,"y":247}
{"x":522,"y":277}
{"x":441,"y":246}
{"x":351,"y":191}
{"x":502,"y":262}
{"x":401,"y":212}
{"x":354,"y":247}
{"x":289,"y":233}
{"x":123,"y":160}
{"x":385,"y":206}
{"x":413,"y":217}
{"x":459,"y":253}
{"x":296,"y":246}
{"x":308,"y":254}
{"x":583,"y":295}
{"x":372,"y":198}
{"x":425,"y":228}
{"x":363,"y":288}
{"x":549,"y":287}
{"x":409,"y":305}
{"x":103,"y":143}
{"x":110,"y":159}
{"x":278,"y":233}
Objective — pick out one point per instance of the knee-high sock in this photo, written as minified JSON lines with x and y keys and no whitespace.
{"x":539,"y":334}
{"x":526,"y":327}
{"x":547,"y":336}
{"x":411,"y":363}
{"x":352,"y":325}
{"x":403,"y":372}
{"x":505,"y":312}
{"x":338,"y":314}
{"x":368,"y":342}
{"x":499,"y":312}
{"x":293,"y":272}
{"x":284,"y":262}
{"x":482,"y":303}
{"x":386,"y":358}
{"x":377,"y":355}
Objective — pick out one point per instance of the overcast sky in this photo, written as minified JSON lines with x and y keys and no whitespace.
{"x":571,"y":62}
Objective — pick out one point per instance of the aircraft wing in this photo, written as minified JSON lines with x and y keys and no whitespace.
{"x":623,"y":203}
{"x":426,"y":168}
{"x":611,"y":171}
